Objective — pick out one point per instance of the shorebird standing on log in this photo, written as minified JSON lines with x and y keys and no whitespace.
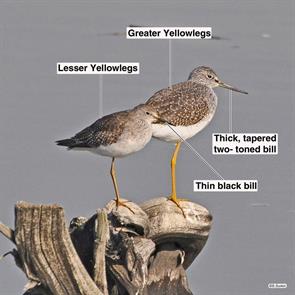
{"x":188,"y":106}
{"x":116,"y":135}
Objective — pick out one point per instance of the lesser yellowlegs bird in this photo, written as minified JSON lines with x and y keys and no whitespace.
{"x":116,"y":135}
{"x":188,"y":106}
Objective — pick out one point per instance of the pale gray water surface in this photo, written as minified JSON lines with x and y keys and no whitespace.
{"x":249,"y":246}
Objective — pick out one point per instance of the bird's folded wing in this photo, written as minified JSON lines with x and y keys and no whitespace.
{"x":183,"y":104}
{"x":104,"y":131}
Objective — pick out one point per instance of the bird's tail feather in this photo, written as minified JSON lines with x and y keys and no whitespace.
{"x":70,"y":143}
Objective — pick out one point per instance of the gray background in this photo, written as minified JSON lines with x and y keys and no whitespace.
{"x":252,"y":240}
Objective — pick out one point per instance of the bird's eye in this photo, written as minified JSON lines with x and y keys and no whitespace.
{"x":148,"y":113}
{"x":209,"y":76}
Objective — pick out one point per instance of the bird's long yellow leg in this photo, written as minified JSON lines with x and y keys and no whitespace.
{"x":173,"y":173}
{"x":173,"y":196}
{"x":115,"y":183}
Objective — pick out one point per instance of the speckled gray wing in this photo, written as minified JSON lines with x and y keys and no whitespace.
{"x":104,"y":131}
{"x":183,"y":104}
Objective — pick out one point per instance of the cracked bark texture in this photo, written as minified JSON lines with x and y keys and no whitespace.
{"x":114,"y":252}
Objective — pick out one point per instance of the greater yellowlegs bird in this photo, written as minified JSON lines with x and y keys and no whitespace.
{"x":116,"y":135}
{"x":188,"y":106}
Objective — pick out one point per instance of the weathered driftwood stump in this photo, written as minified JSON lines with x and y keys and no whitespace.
{"x":114,"y":252}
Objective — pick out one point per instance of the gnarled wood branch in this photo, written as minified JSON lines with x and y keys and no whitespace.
{"x":113,"y":252}
{"x":7,"y":232}
{"x":49,"y":257}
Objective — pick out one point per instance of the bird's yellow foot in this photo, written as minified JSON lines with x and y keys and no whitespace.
{"x":177,"y":201}
{"x":123,"y":204}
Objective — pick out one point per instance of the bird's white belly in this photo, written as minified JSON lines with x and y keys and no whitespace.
{"x":165,"y":133}
{"x":123,"y":147}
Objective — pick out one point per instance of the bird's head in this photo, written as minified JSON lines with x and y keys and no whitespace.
{"x":205,"y":75}
{"x":148,"y":113}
